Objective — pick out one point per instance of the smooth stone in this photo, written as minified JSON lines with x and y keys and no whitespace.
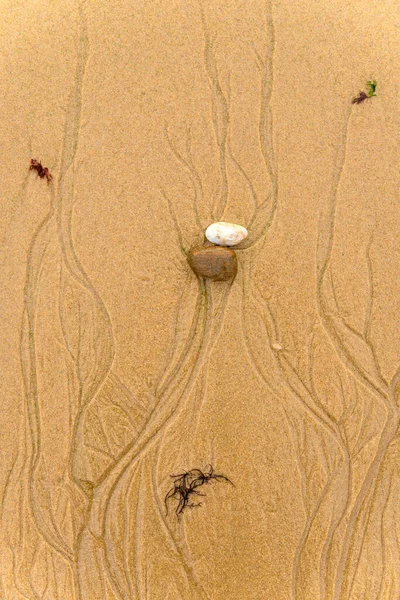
{"x":226,"y":234}
{"x":213,"y":262}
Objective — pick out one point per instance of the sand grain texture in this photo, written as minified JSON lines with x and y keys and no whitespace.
{"x":119,"y":367}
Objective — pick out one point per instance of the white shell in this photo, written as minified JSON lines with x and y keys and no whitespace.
{"x":226,"y":234}
{"x":276,"y":346}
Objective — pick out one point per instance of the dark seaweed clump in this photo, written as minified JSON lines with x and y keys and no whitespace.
{"x":186,"y":486}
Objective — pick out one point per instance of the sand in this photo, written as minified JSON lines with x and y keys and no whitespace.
{"x":120,"y":368}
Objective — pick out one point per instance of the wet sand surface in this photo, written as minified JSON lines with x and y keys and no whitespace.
{"x":120,"y":368}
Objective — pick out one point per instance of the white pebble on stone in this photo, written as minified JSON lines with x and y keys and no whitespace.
{"x":226,"y":234}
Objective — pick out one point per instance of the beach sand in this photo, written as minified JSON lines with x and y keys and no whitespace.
{"x":119,"y":367}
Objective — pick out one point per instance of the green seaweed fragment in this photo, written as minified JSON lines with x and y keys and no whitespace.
{"x":371,"y":85}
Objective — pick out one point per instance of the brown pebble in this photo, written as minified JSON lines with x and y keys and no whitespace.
{"x":214,"y":262}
